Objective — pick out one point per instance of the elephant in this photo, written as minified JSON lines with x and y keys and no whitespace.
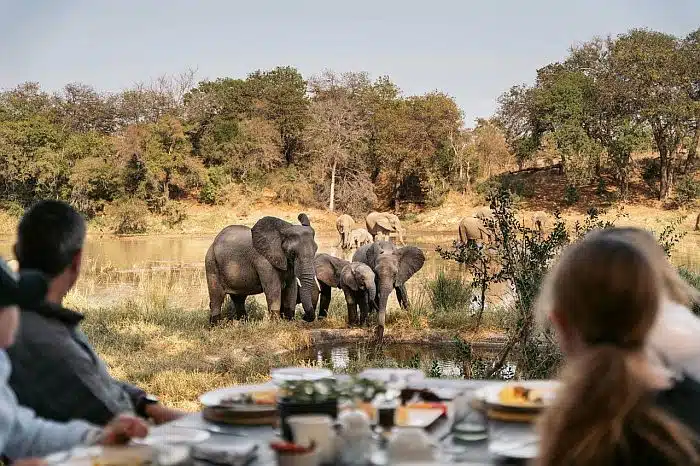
{"x":359,"y":237}
{"x":274,"y":257}
{"x":355,"y":279}
{"x":328,"y":270}
{"x":473,"y":229}
{"x":344,"y":224}
{"x":358,"y":282}
{"x":483,"y":213}
{"x":539,"y":220}
{"x":384,"y":223}
{"x":393,"y":267}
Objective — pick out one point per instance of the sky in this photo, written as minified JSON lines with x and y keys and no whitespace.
{"x":471,"y":50}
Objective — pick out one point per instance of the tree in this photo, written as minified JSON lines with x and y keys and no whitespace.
{"x":336,"y":133}
{"x":279,"y":96}
{"x":82,"y":109}
{"x":691,"y":56}
{"x":654,"y":78}
{"x":515,"y":117}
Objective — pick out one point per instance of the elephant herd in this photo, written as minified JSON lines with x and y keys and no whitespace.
{"x":474,"y":228}
{"x":379,"y":224}
{"x":280,"y":259}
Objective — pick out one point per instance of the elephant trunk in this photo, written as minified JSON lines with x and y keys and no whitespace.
{"x":372,"y":295}
{"x":308,"y":291}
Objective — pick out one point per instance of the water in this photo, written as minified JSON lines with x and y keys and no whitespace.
{"x":119,"y":267}
{"x":442,"y":360}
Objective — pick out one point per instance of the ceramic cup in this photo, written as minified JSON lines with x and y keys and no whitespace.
{"x":318,"y":429}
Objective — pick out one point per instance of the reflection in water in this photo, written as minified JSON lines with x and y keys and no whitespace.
{"x":435,"y":360}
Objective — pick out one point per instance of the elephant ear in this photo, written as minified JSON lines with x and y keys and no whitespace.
{"x":384,"y":222}
{"x":375,"y":249}
{"x":267,"y":240}
{"x":348,"y":279}
{"x":304,"y":219}
{"x":411,"y":260}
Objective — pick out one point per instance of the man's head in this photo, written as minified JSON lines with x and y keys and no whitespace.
{"x":50,"y":239}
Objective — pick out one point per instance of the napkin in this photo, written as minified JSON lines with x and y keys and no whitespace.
{"x":238,"y":454}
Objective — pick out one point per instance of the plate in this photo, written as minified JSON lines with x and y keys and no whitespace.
{"x":519,"y":449}
{"x":106,"y":456}
{"x":284,"y":374}
{"x":214,"y":398}
{"x":173,"y":436}
{"x":385,"y":375}
{"x":420,"y":417}
{"x":490,"y":394}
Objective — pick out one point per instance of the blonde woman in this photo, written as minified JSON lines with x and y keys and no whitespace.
{"x":675,"y":337}
{"x":616,"y":406}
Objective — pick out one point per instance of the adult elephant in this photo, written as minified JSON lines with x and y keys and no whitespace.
{"x":539,"y":220}
{"x":483,"y":213}
{"x":392,"y":267}
{"x":473,"y":229}
{"x":344,"y":224}
{"x":275,"y":257}
{"x":359,"y":237}
{"x":384,"y":223}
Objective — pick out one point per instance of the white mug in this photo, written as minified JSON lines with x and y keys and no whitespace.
{"x":317,"y":429}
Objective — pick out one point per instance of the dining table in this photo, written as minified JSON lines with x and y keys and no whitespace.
{"x":469,"y":453}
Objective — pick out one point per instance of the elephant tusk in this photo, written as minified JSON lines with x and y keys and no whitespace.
{"x":298,"y":282}
{"x":317,"y":283}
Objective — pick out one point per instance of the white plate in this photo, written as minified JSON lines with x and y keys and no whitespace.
{"x":174,"y":436}
{"x":214,"y":397}
{"x":526,"y":448}
{"x":385,"y":375}
{"x":299,"y":373}
{"x":490,"y":393}
{"x":421,"y":417}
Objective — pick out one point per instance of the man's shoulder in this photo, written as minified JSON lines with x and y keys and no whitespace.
{"x":36,"y":325}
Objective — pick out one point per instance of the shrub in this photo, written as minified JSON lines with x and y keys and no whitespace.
{"x":130,"y":216}
{"x":209,"y":194}
{"x":571,"y":195}
{"x":687,"y":190}
{"x":449,"y":294}
{"x":174,"y":214}
{"x":13,"y":209}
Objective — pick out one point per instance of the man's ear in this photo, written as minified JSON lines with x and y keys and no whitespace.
{"x":77,"y":261}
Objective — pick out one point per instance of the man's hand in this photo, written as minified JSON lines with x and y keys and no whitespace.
{"x":30,"y":462}
{"x":123,"y":428}
{"x":162,"y":414}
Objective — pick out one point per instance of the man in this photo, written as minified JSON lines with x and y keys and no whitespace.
{"x":56,"y":371}
{"x":22,"y":433}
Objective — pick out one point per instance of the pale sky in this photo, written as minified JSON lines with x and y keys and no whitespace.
{"x":472,"y":50}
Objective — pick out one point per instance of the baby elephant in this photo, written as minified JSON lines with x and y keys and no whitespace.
{"x":356,"y":281}
{"x":359,"y":237}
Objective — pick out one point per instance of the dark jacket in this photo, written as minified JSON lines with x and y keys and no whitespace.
{"x":58,"y":374}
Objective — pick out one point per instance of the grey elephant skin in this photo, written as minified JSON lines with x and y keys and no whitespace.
{"x":274,"y":257}
{"x":392,"y":267}
{"x":359,"y":237}
{"x":483,"y":213}
{"x":357,"y":281}
{"x":472,"y":229}
{"x":344,"y":224}
{"x":384,"y":223}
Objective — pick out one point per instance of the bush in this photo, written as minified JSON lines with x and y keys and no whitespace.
{"x":13,"y":209}
{"x":174,"y":214}
{"x":571,"y":195}
{"x":694,"y":279}
{"x":687,"y":190}
{"x":130,"y":216}
{"x":449,"y":294}
{"x":209,"y":194}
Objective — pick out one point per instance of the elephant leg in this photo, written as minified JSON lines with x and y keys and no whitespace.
{"x":402,"y":296}
{"x":352,"y":309}
{"x":272,"y":287}
{"x":216,"y":299}
{"x":239,"y":307}
{"x":364,"y":309}
{"x":325,"y":301}
{"x":289,"y":301}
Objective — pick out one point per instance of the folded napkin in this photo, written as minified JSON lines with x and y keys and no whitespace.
{"x":238,"y":454}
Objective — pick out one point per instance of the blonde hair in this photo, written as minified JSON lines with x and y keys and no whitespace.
{"x":608,"y":291}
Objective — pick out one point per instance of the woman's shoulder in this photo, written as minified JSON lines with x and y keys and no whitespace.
{"x":682,"y":401}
